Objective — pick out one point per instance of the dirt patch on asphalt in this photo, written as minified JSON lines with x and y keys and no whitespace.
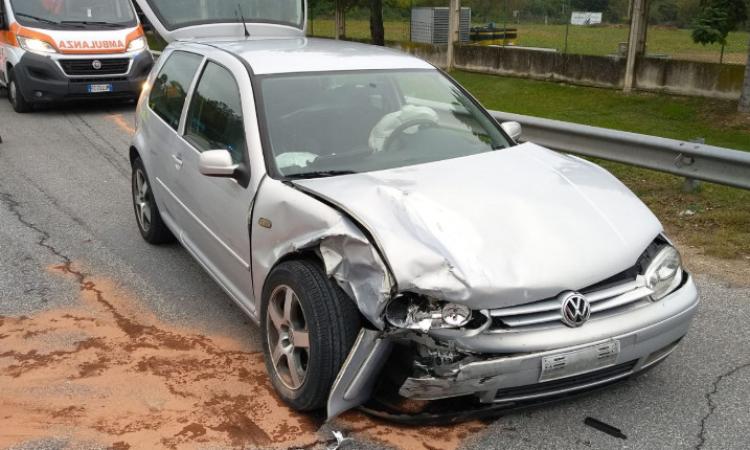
{"x":111,"y":373}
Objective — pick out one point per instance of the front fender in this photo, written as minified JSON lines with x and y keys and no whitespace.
{"x":286,"y":221}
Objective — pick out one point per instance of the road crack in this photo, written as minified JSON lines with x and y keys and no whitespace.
{"x":711,"y":405}
{"x":14,"y":207}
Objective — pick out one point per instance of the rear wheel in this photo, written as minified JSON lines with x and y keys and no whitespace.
{"x":15,"y":96}
{"x":309,"y":325}
{"x":147,"y":214}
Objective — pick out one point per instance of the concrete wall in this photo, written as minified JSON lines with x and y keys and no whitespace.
{"x":662,"y":75}
{"x":690,"y":78}
{"x":436,"y":55}
{"x":542,"y":65}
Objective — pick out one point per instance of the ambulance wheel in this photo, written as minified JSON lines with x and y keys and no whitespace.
{"x":19,"y":103}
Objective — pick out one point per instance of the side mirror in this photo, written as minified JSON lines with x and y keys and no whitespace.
{"x":512,"y":129}
{"x":3,"y":22}
{"x":217,"y":163}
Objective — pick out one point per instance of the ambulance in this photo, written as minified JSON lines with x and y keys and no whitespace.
{"x":60,"y":50}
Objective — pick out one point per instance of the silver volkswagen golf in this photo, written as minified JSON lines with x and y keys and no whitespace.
{"x":384,"y":231}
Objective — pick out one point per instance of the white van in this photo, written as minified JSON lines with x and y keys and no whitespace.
{"x":59,"y":50}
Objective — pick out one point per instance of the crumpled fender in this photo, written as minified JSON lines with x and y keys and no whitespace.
{"x":287,"y":221}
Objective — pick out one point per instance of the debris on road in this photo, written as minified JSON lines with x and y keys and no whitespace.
{"x":340,"y":440}
{"x":605,"y":428}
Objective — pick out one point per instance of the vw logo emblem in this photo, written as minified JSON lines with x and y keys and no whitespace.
{"x":96,"y":64}
{"x":575,"y":309}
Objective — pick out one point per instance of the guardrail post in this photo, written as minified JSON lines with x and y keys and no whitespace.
{"x":690,"y":184}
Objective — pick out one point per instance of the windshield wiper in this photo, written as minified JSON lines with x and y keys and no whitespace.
{"x":319,"y":174}
{"x":89,"y":22}
{"x":38,"y":19}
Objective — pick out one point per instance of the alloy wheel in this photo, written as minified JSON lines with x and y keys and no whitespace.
{"x":288,"y":337}
{"x":142,"y":200}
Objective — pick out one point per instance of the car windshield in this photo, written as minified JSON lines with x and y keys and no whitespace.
{"x":330,"y":124}
{"x":179,"y":13}
{"x":74,"y":13}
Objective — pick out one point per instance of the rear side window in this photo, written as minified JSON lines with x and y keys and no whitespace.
{"x":170,"y":88}
{"x":214,"y":120}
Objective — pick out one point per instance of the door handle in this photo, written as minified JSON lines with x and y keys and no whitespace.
{"x":177,"y":161}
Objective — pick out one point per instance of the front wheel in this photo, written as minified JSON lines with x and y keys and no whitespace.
{"x":15,"y":96}
{"x":309,"y":326}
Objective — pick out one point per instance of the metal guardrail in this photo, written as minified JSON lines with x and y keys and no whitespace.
{"x":687,"y":159}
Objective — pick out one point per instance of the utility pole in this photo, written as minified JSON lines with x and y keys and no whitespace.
{"x":637,"y":40}
{"x":454,"y":18}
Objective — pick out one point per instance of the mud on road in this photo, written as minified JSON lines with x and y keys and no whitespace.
{"x":107,"y":373}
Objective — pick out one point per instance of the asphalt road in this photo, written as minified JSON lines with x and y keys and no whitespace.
{"x":107,"y":342}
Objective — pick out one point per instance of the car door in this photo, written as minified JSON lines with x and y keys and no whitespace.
{"x":166,"y":105}
{"x":216,"y":228}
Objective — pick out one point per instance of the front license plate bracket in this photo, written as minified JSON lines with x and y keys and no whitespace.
{"x":577,"y":362}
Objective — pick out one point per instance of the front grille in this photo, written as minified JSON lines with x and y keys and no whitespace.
{"x":566,"y":384}
{"x":85,"y":67}
{"x":607,"y":300}
{"x":98,"y":80}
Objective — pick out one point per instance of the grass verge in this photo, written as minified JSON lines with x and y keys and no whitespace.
{"x":715,"y":220}
{"x":599,"y":40}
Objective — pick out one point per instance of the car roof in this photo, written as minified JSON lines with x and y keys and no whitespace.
{"x":298,"y":54}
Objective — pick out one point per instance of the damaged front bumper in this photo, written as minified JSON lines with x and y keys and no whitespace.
{"x":508,"y":367}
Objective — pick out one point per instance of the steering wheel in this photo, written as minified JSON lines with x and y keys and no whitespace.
{"x":420,"y":122}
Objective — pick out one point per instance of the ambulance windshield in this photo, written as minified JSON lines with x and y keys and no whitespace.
{"x":72,"y":14}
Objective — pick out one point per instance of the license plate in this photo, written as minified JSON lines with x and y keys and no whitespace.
{"x":99,"y":88}
{"x":579,"y":361}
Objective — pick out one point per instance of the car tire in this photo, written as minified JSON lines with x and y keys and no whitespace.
{"x":15,"y":96}
{"x":147,"y":215}
{"x":300,"y":298}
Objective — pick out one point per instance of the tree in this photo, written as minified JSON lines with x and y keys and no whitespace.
{"x":377,"y":29}
{"x":590,"y":5}
{"x":713,"y":24}
{"x":716,"y":19}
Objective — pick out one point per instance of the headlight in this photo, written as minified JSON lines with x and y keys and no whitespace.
{"x":137,"y":44}
{"x":421,"y":313}
{"x":664,"y":273}
{"x":35,"y":45}
{"x":455,"y":315}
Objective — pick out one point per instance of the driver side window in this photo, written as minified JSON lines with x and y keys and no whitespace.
{"x":214,"y":120}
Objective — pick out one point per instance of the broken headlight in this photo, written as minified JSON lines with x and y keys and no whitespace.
{"x":420,"y":313}
{"x":664,"y":273}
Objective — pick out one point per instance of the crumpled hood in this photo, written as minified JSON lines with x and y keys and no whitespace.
{"x":497,"y":229}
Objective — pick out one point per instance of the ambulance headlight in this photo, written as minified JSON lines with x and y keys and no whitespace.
{"x":35,"y":45}
{"x":137,"y":44}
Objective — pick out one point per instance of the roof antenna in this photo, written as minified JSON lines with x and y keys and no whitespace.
{"x":244,"y":23}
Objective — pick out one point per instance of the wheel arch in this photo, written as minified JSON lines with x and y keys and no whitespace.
{"x":307,"y":254}
{"x":133,"y":154}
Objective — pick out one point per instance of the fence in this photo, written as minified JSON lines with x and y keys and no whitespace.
{"x":546,"y":24}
